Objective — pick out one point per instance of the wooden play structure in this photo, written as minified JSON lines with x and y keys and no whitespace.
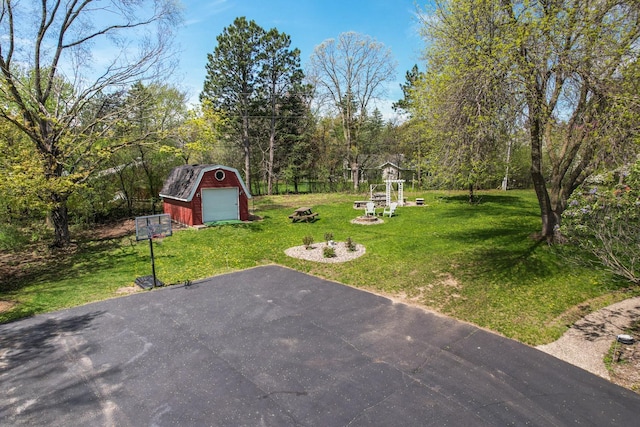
{"x":390,"y":192}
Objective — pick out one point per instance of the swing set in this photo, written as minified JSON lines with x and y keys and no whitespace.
{"x":390,"y":191}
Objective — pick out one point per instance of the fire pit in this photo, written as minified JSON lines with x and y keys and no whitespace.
{"x":367,"y":220}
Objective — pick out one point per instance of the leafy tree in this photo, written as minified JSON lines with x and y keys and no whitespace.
{"x":371,"y":141}
{"x":133,"y":175}
{"x":249,"y":75}
{"x":155,"y":115}
{"x":349,"y":73}
{"x":21,"y":177}
{"x":563,"y":61}
{"x":51,"y":88}
{"x":297,"y":154}
{"x":233,"y":75}
{"x":603,"y":220}
{"x":282,"y":77}
{"x":470,"y":110}
{"x":408,"y":89}
{"x":327,"y":139}
{"x":197,"y":137}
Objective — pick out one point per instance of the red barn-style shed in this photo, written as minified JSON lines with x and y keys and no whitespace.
{"x":198,"y":194}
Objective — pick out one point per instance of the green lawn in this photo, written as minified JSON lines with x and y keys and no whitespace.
{"x":476,"y":263}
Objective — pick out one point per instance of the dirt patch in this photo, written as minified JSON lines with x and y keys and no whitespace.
{"x":15,"y":265}
{"x":115,"y":230}
{"x":126,"y":290}
{"x":6,"y":305}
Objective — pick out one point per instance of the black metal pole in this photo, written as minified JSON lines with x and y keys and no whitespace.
{"x":153,"y":263}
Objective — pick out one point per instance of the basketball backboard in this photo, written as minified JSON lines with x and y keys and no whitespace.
{"x":153,"y":226}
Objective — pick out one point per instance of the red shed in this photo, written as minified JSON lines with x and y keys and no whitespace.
{"x":197,"y":194}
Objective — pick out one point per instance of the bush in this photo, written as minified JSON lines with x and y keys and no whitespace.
{"x":329,"y":252}
{"x":328,"y":237}
{"x":307,"y":241}
{"x":11,"y":238}
{"x":350,"y":244}
{"x":604,"y":221}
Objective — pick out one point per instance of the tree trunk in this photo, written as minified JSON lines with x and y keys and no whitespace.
{"x":355,"y":175}
{"x":60,"y":220}
{"x":271,"y":159}
{"x":246,"y":145}
{"x":547,"y":215}
{"x":419,"y":165}
{"x":272,"y":141}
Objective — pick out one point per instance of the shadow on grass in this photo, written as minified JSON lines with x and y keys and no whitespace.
{"x":482,"y":199}
{"x":506,"y":235}
{"x":505,"y":209}
{"x":253,"y":225}
{"x":59,"y":265}
{"x":270,"y":206}
{"x":507,"y":265}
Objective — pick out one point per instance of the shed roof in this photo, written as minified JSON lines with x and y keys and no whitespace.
{"x":184,"y":180}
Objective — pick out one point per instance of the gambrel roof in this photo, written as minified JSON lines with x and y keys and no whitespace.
{"x":183,"y":181}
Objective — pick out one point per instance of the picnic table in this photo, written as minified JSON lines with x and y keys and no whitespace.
{"x":303,"y":214}
{"x":380,"y":199}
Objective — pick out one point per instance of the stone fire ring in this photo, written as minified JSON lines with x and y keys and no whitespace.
{"x":367,"y":220}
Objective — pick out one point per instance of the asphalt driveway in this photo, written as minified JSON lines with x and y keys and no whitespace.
{"x":275,"y":347}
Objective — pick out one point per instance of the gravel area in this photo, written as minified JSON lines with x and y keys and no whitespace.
{"x":587,"y":342}
{"x":315,"y":253}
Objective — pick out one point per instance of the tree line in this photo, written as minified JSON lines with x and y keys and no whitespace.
{"x":511,"y":93}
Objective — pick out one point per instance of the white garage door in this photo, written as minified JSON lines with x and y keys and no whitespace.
{"x":219,"y":204}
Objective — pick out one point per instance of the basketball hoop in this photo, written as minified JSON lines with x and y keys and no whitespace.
{"x":152,"y":227}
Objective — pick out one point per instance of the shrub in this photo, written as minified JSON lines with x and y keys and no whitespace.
{"x":604,"y":221}
{"x":350,"y":244}
{"x":329,"y":252}
{"x":307,"y":241}
{"x":328,"y":237}
{"x":11,"y":238}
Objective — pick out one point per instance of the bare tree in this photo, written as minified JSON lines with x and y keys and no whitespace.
{"x":350,"y":73}
{"x":61,"y":62}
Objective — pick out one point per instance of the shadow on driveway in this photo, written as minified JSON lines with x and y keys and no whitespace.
{"x":272,"y":346}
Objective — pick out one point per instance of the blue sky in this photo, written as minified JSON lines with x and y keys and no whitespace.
{"x":309,"y":23}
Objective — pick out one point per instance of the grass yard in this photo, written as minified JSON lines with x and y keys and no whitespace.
{"x":476,"y":263}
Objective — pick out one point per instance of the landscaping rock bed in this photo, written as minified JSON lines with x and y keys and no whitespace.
{"x":316,"y":253}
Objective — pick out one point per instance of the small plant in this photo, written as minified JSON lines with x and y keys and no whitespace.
{"x":307,"y":241}
{"x":328,"y":237}
{"x":329,"y":252}
{"x":350,"y":244}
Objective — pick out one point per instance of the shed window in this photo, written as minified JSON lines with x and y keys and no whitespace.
{"x":219,"y":175}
